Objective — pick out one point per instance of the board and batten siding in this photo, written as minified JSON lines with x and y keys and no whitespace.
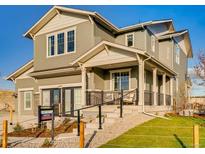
{"x":61,"y":21}
{"x":84,"y":41}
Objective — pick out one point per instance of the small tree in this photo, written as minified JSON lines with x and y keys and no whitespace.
{"x":199,"y":69}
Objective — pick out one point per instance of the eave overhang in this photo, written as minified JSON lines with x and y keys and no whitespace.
{"x":20,"y":71}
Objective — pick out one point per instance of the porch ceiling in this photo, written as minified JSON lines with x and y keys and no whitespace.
{"x":118,"y":65}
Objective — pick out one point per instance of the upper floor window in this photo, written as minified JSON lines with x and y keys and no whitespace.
{"x":71,"y":41}
{"x":60,"y":43}
{"x":130,"y":40}
{"x":177,"y":54}
{"x":153,"y":42}
{"x":51,"y":45}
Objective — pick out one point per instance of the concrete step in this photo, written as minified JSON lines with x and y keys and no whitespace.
{"x":92,"y":125}
{"x":111,"y":120}
{"x":113,"y":115}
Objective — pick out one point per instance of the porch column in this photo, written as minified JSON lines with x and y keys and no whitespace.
{"x":83,"y":71}
{"x":171,"y":90}
{"x":164,"y":88}
{"x":154,"y":86}
{"x":141,"y":82}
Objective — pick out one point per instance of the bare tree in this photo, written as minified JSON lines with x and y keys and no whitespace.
{"x":199,"y":69}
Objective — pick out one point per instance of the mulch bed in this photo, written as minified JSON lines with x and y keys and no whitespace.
{"x":44,"y":132}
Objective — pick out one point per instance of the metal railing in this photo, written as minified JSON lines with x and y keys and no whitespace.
{"x":99,"y":105}
{"x":160,"y":99}
{"x":95,"y":97}
{"x":168,"y":99}
{"x":148,"y":97}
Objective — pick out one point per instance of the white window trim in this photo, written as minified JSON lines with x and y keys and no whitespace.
{"x":153,"y":49}
{"x":126,"y":43}
{"x":55,"y":34}
{"x":119,"y":71}
{"x":24,"y":95}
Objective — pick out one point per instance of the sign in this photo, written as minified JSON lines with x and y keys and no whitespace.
{"x":45,"y":113}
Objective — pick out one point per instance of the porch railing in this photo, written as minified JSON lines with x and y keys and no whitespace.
{"x":94,"y":97}
{"x":168,"y":99}
{"x":160,"y":99}
{"x":148,"y":97}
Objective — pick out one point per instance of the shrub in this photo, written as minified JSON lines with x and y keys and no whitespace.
{"x":66,"y":120}
{"x":46,"y":143}
{"x":18,"y":127}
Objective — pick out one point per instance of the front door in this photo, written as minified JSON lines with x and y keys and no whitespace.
{"x":52,"y":97}
{"x":68,"y":104}
{"x":71,"y":100}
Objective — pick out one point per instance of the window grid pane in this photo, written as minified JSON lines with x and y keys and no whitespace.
{"x":61,"y":43}
{"x":121,"y":81}
{"x":129,"y":40}
{"x":27,"y":100}
{"x":51,"y":45}
{"x":71,"y":41}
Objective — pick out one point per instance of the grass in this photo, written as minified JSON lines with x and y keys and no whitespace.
{"x":160,"y":133}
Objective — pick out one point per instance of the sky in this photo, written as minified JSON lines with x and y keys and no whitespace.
{"x":16,"y":50}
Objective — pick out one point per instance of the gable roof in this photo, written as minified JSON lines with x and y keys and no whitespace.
{"x":100,"y":46}
{"x":20,"y":71}
{"x":58,"y":9}
{"x":148,"y":23}
{"x":185,"y":34}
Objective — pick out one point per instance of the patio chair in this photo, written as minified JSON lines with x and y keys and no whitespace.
{"x":129,"y":100}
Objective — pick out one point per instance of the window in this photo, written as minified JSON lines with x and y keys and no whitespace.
{"x":27,"y":100}
{"x":71,"y":41}
{"x":177,"y":54}
{"x":51,"y":45}
{"x":120,"y":80}
{"x":153,"y":43}
{"x":130,"y":40}
{"x":61,"y":43}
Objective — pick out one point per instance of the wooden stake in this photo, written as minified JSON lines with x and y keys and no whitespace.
{"x":196,"y":136}
{"x":5,"y":131}
{"x":11,"y":116}
{"x":82,"y":137}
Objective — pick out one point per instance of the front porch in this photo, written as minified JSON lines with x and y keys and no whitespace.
{"x":105,"y":91}
{"x":109,"y":69}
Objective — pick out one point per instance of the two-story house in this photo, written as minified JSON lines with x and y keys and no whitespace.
{"x":77,"y":53}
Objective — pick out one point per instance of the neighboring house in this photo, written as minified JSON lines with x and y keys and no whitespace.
{"x":197,"y":99}
{"x":76,"y":52}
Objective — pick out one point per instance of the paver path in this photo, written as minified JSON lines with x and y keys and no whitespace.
{"x":108,"y":133}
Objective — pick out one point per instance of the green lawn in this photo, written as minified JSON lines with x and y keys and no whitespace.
{"x":160,"y":133}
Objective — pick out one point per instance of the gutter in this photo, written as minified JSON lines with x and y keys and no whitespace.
{"x":143,"y":110}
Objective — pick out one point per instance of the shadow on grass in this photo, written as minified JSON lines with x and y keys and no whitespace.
{"x":180,"y":141}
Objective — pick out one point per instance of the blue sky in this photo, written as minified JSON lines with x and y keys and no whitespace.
{"x":16,"y":50}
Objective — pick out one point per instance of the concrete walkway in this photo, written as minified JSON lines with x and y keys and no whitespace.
{"x":109,"y":132}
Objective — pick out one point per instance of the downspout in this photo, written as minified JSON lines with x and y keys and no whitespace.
{"x":143,"y":110}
